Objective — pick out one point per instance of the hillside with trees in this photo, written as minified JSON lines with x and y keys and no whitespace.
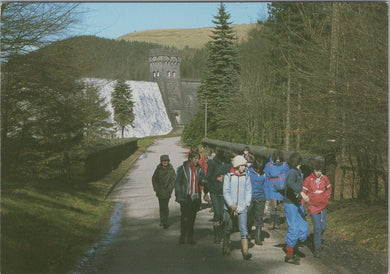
{"x":314,"y":78}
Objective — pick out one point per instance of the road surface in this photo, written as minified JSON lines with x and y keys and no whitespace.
{"x":137,"y":244}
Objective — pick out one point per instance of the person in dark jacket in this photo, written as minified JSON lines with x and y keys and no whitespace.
{"x":216,"y":170}
{"x":295,"y":213}
{"x":256,"y":209}
{"x":163,"y":181}
{"x":188,"y":190}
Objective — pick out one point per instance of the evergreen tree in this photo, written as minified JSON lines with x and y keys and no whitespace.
{"x":222,"y":76}
{"x":96,"y":121}
{"x":123,"y":105}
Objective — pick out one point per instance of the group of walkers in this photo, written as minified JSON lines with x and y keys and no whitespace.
{"x":239,"y":186}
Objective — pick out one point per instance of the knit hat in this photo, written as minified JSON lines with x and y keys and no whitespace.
{"x":238,"y":161}
{"x":164,"y":158}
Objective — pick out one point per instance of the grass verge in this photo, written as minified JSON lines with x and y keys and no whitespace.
{"x":362,"y":224}
{"x":46,"y":226}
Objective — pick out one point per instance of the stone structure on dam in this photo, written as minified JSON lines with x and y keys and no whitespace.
{"x":179,"y":95}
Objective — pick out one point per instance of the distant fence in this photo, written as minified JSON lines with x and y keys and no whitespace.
{"x":307,"y":159}
{"x":100,"y":163}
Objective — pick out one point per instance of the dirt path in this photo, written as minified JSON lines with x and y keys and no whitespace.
{"x":137,"y":244}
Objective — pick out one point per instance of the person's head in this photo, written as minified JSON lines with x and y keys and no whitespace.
{"x":246,"y":150}
{"x":219,"y":174}
{"x":164,"y":159}
{"x":213,"y":152}
{"x":250,"y":160}
{"x":220,"y":154}
{"x":318,"y":168}
{"x":194,"y":157}
{"x":295,"y":160}
{"x":259,"y":164}
{"x":277,"y":156}
{"x":194,"y":148}
{"x":239,"y":163}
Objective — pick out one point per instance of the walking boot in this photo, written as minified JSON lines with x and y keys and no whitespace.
{"x":226,"y":244}
{"x":220,"y":232}
{"x":245,"y":248}
{"x":317,"y":252}
{"x":297,"y":252}
{"x":258,"y":236}
{"x":292,"y":260}
{"x":277,"y":221}
{"x":216,"y":233}
{"x":274,"y":221}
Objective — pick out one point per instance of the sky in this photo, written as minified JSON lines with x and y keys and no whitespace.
{"x":112,"y":19}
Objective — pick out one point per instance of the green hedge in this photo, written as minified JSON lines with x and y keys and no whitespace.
{"x":101,"y":162}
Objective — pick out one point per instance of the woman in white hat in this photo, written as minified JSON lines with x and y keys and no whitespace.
{"x":237,"y":192}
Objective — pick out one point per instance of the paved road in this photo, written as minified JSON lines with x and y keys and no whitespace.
{"x":137,"y":244}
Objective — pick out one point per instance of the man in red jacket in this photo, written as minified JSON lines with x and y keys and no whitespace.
{"x":319,"y":189}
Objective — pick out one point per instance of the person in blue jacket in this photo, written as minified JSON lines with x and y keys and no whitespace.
{"x":275,"y":169}
{"x":295,"y":213}
{"x":256,"y":209}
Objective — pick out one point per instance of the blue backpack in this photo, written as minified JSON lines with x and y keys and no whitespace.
{"x":280,"y":181}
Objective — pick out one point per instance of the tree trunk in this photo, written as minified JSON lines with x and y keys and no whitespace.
{"x":288,"y":112}
{"x":364,"y":170}
{"x":298,"y":145}
{"x":342,"y":185}
{"x":334,"y":45}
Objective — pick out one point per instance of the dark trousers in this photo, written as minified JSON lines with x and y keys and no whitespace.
{"x":218,"y":203}
{"x":164,"y":210}
{"x":256,"y":212}
{"x":188,"y":210}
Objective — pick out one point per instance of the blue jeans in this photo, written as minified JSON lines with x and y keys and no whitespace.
{"x":297,"y":226}
{"x":319,"y":225}
{"x":242,"y":223}
{"x":218,"y":203}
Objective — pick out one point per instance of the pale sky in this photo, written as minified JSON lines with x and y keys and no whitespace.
{"x":112,"y":19}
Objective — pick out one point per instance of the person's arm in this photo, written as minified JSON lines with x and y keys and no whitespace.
{"x":154,"y":180}
{"x":305,"y":189}
{"x":292,"y":182}
{"x":227,"y":192}
{"x":172,"y":179}
{"x":248,"y":191}
{"x":180,"y":195}
{"x":328,"y":189}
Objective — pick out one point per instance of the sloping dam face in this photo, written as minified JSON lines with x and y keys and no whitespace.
{"x":151,"y":118}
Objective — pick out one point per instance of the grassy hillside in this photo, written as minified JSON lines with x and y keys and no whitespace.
{"x":180,"y":38}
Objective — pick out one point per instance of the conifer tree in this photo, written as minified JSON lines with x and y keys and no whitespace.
{"x":123,"y":105}
{"x":222,"y":77}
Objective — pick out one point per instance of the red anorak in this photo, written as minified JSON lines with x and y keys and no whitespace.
{"x":319,"y":191}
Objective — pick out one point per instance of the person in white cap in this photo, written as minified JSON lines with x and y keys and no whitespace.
{"x":237,"y":192}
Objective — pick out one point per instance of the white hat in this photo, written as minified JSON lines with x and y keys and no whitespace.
{"x":238,"y":161}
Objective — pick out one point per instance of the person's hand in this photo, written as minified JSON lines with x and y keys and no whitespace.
{"x":206,"y":197}
{"x":234,"y":207}
{"x":305,"y":197}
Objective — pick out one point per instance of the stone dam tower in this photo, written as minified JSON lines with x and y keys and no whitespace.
{"x":179,"y":95}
